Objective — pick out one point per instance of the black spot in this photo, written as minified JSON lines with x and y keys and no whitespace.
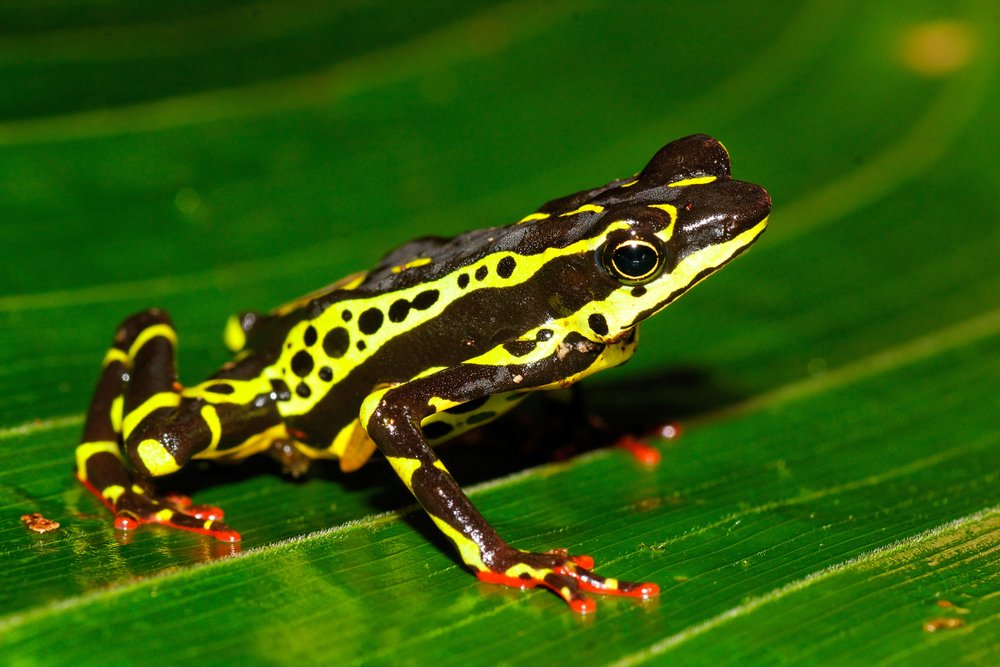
{"x":302,"y":363}
{"x":482,"y":272}
{"x":506,"y":266}
{"x":281,"y":391}
{"x":436,"y":430}
{"x":326,"y":374}
{"x":347,"y":315}
{"x":519,"y":348}
{"x":516,"y":397}
{"x":370,"y":321}
{"x":463,"y":280}
{"x":543,"y":334}
{"x":425,"y":300}
{"x":303,"y":390}
{"x":471,"y":406}
{"x":220,"y":389}
{"x":638,"y":290}
{"x":335,"y":342}
{"x":361,"y":346}
{"x":399,"y":310}
{"x":598,"y":324}
{"x":481,"y":417}
{"x":310,"y":336}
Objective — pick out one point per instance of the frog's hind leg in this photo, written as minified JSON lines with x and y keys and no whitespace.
{"x":137,"y":393}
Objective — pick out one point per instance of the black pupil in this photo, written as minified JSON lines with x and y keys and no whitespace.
{"x":634,"y":260}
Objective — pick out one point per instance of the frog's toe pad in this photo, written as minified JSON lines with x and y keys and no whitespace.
{"x":569,"y":577}
{"x":197,"y":519}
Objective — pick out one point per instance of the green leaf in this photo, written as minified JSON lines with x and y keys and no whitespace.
{"x":833,"y":496}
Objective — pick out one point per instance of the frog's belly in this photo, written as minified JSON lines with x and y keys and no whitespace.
{"x":353,"y":446}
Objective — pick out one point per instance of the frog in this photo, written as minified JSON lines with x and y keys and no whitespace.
{"x":441,"y":336}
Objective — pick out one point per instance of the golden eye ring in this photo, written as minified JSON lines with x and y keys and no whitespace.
{"x":633,"y":261}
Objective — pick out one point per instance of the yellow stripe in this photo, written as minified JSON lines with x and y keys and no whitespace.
{"x":441,"y":404}
{"x":629,"y":184}
{"x":244,"y":391}
{"x":164,"y":399}
{"x":233,"y":335}
{"x":156,"y":458}
{"x":404,"y":467}
{"x":534,"y":216}
{"x":527,"y":266}
{"x":356,"y":279}
{"x":87,"y":449}
{"x":667,"y":233}
{"x":211,"y":417}
{"x":117,"y":404}
{"x":471,"y":554}
{"x":113,"y":355}
{"x":697,"y":180}
{"x":370,"y":405}
{"x":112,"y":493}
{"x":420,"y":261}
{"x":523,"y":568}
{"x":147,"y":334}
{"x":254,"y":445}
{"x":583,"y":209}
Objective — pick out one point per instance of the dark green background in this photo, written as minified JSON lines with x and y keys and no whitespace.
{"x":837,"y":478}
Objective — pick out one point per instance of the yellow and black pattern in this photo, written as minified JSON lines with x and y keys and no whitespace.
{"x":442,"y":336}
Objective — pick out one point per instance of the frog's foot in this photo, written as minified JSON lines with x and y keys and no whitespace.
{"x":135,"y":506}
{"x":642,"y":450}
{"x":569,"y":577}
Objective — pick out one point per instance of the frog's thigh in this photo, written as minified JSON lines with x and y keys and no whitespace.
{"x":160,"y":430}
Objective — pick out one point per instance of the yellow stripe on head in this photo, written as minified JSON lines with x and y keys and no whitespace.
{"x":412,"y":264}
{"x":697,"y":180}
{"x":672,"y":212}
{"x":586,"y":208}
{"x":533,"y":216}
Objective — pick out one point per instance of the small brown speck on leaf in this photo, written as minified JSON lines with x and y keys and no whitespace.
{"x":38,"y":523}
{"x":943,"y":624}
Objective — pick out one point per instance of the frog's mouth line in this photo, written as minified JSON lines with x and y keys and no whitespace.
{"x":728,"y":251}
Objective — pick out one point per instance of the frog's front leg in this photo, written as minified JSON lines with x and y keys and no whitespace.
{"x":137,"y":407}
{"x":393,"y":417}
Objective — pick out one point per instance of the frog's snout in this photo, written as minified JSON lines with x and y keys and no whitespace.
{"x":756,"y":208}
{"x":765,"y":201}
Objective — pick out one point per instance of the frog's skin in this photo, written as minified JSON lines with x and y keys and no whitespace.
{"x":441,"y":336}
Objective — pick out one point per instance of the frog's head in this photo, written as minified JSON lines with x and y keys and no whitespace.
{"x":680,"y":220}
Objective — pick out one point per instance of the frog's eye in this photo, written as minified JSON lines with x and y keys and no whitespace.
{"x":633,"y":261}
